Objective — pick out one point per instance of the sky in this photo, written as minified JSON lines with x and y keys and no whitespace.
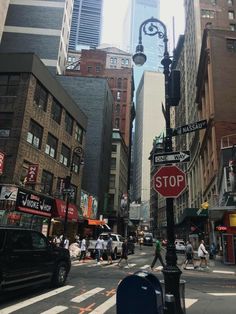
{"x":114,"y":13}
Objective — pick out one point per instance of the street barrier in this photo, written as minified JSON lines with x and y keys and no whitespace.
{"x":138,"y":294}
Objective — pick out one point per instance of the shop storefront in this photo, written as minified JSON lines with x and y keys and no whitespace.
{"x":25,"y":208}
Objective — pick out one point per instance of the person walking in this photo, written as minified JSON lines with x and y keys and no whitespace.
{"x":99,"y":247}
{"x":140,"y":242}
{"x":124,"y":254}
{"x":109,"y":249}
{"x":157,"y":255}
{"x":202,"y":253}
{"x":189,"y":255}
{"x":83,"y":249}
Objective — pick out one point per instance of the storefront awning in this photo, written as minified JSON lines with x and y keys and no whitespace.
{"x":60,"y":210}
{"x":96,"y":222}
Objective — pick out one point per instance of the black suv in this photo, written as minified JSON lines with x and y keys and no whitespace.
{"x":27,"y":258}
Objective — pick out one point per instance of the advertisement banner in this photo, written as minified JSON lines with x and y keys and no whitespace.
{"x":2,"y":158}
{"x":89,"y":205}
{"x":32,"y":174}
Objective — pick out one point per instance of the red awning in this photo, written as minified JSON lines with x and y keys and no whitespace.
{"x":96,"y":222}
{"x":60,"y":210}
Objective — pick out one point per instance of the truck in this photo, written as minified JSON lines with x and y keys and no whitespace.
{"x":117,"y":241}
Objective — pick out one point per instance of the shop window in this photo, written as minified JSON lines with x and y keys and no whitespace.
{"x":78,"y":133}
{"x":51,"y":146}
{"x":68,"y":123}
{"x":56,"y":111}
{"x":6,"y":119}
{"x":9,"y":84}
{"x":41,"y":96}
{"x":35,"y":134}
{"x":65,"y":155}
{"x":46,"y":182}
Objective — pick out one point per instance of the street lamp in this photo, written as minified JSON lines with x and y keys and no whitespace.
{"x":171,"y":272}
{"x":76,"y":151}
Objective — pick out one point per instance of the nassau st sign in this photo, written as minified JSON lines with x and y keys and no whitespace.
{"x":169,"y":181}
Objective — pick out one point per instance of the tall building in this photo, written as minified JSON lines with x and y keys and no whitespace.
{"x":42,"y":27}
{"x":86,"y":24}
{"x":139,"y":11}
{"x":3,"y":12}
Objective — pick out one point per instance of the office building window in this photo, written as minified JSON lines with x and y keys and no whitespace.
{"x":9,"y":84}
{"x":68,"y":123}
{"x":118,"y":95}
{"x":65,"y":155}
{"x":98,"y":68}
{"x":119,"y":83}
{"x":90,"y":69}
{"x":56,"y":111}
{"x":46,"y":182}
{"x":51,"y":146}
{"x":6,"y":119}
{"x":117,"y":108}
{"x":126,"y":61}
{"x":114,"y":148}
{"x":231,"y":15}
{"x":117,"y":123}
{"x":35,"y":134}
{"x":122,"y":61}
{"x":209,"y":14}
{"x":231,"y":44}
{"x":78,"y":133}
{"x":230,"y":2}
{"x":41,"y":96}
{"x":113,"y":163}
{"x":232,"y":27}
{"x":112,"y":181}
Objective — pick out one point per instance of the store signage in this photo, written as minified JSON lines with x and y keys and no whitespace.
{"x":32,"y":174}
{"x":2,"y":158}
{"x":221,"y":228}
{"x":33,"y":203}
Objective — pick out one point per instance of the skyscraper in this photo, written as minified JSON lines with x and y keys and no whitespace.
{"x":41,"y":27}
{"x":139,"y":11}
{"x":86,"y":24}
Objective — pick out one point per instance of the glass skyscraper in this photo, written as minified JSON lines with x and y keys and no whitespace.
{"x":86,"y":24}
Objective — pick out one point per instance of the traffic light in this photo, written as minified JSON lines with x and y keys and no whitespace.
{"x":67,"y":182}
{"x":174,"y":88}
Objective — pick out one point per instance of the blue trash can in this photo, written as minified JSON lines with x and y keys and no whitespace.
{"x":138,"y":294}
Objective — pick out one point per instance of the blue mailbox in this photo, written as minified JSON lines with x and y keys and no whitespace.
{"x":138,"y":294}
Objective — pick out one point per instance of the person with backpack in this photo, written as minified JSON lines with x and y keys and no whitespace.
{"x":157,"y":255}
{"x":124,"y":254}
{"x":189,"y":255}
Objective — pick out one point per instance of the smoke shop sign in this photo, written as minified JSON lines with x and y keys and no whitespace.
{"x":34,"y":203}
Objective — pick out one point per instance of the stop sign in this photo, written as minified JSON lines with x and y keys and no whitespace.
{"x":169,"y":181}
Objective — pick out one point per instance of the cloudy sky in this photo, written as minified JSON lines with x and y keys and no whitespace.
{"x":114,"y":12}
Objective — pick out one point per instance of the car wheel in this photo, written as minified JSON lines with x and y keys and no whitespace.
{"x":60,"y":274}
{"x":114,"y":255}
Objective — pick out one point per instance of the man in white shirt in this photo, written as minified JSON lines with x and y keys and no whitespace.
{"x":83,"y":249}
{"x":99,"y":246}
{"x":202,"y":253}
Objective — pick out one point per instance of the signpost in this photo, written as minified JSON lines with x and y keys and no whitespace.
{"x":169,"y":181}
{"x":171,"y":157}
{"x":192,"y":127}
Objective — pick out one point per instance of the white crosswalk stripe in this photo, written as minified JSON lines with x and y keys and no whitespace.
{"x":189,"y":302}
{"x":86,"y":295}
{"x":101,"y":309}
{"x":55,"y":310}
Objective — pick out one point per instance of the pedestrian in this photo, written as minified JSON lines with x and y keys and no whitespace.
{"x":109,"y":249}
{"x":124,"y":254}
{"x":202,"y":253}
{"x":99,"y":247}
{"x":140,"y":242}
{"x":189,"y":255}
{"x":157,"y":255}
{"x":212,"y":251}
{"x":82,"y":249}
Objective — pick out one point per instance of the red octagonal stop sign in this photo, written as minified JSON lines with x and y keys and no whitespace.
{"x":169,"y":181}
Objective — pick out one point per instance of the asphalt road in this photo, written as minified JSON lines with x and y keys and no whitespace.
{"x":92,"y":289}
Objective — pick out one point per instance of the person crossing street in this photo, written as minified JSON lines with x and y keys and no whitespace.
{"x":157,"y":255}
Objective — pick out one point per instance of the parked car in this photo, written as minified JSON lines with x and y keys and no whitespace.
{"x":28,"y":258}
{"x":148,"y":239}
{"x":180,"y":246}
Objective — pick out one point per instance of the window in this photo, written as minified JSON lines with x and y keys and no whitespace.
{"x":232,"y":27}
{"x":209,"y":14}
{"x":6,"y":119}
{"x":231,"y":44}
{"x":119,"y":83}
{"x":126,"y":61}
{"x":118,"y":109}
{"x":38,"y":241}
{"x":117,"y":123}
{"x":111,"y":60}
{"x":118,"y":95}
{"x":213,"y":2}
{"x":35,"y":134}
{"x":112,"y":181}
{"x":69,"y":123}
{"x":98,"y":68}
{"x":230,"y":2}
{"x":56,"y":111}
{"x":46,"y":182}
{"x":115,"y":60}
{"x":113,"y":163}
{"x":90,"y":69}
{"x":78,"y":133}
{"x":9,"y":84}
{"x":122,"y":61}
{"x":65,"y":155}
{"x":114,"y":148}
{"x":75,"y":163}
{"x":51,"y":146}
{"x":231,"y":15}
{"x":41,"y":96}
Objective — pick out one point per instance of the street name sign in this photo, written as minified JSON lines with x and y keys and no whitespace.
{"x":171,"y":157}
{"x":184,"y":129}
{"x":169,"y":181}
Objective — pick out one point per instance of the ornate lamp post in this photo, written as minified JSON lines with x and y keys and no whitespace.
{"x":171,"y":272}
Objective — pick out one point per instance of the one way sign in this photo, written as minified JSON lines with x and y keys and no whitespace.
{"x":171,"y":157}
